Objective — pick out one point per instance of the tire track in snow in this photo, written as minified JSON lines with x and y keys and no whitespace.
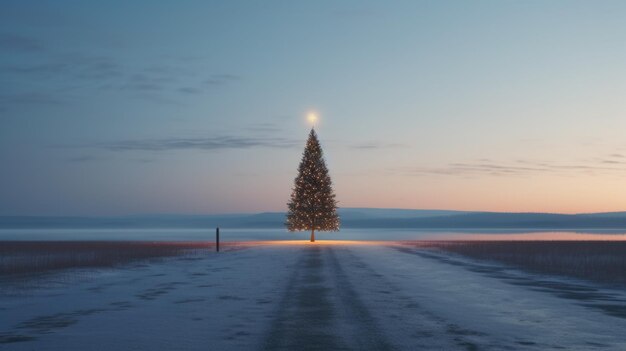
{"x":305,"y":314}
{"x":405,"y":319}
{"x":366,"y":334}
{"x":321,"y":310}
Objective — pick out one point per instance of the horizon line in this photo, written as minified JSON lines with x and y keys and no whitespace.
{"x":277,"y":212}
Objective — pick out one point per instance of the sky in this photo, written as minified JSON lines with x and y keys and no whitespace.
{"x":199,"y":107}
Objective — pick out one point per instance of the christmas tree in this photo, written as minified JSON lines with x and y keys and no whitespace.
{"x":312,"y":205}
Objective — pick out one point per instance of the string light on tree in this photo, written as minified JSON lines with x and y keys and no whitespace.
{"x":312,"y":205}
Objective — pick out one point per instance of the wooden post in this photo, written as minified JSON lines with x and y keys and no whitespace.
{"x":217,"y":239}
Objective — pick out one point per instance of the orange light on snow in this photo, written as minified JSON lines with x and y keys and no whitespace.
{"x":317,"y":242}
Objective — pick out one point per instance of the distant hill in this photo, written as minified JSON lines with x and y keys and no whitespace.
{"x":350,"y":218}
{"x":362,"y":213}
{"x":499,"y":220}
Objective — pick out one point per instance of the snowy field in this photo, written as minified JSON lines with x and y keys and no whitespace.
{"x":292,"y":295}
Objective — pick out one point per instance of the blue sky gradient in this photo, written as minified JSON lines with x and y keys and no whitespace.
{"x":120,"y":107}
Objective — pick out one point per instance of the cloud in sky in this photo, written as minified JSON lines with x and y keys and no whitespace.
{"x":83,"y":159}
{"x":28,"y":99}
{"x":190,"y":90}
{"x":73,"y":65}
{"x":264,"y":127}
{"x":221,"y":79}
{"x":214,"y":81}
{"x":372,"y":145}
{"x":19,"y":43}
{"x":486,"y":167}
{"x":46,"y":72}
{"x":262,"y":136}
{"x":202,"y":143}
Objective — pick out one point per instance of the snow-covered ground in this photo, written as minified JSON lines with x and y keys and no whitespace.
{"x":299,"y":296}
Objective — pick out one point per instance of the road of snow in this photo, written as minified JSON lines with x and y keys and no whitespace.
{"x":301,"y":296}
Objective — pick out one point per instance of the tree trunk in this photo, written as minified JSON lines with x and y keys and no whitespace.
{"x":312,"y":235}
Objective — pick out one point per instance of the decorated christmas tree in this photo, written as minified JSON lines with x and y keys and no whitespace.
{"x":312,"y":205}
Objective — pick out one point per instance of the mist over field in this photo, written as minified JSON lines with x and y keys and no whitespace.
{"x":350,"y":218}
